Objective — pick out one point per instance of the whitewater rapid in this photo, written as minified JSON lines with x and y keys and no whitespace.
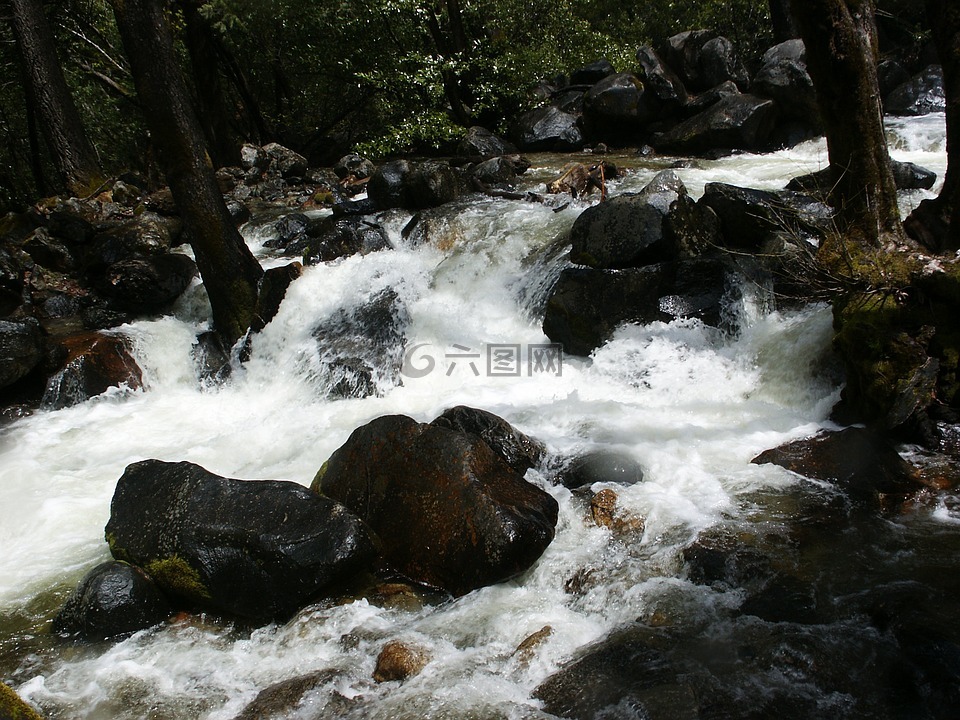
{"x":691,"y":404}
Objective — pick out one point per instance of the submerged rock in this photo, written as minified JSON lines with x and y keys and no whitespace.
{"x":600,"y":466}
{"x":282,"y":698}
{"x":112,"y":600}
{"x":337,"y":237}
{"x":399,"y":661}
{"x":449,"y":511}
{"x":253,"y":549}
{"x":860,"y":462}
{"x":93,"y":364}
{"x":588,"y":304}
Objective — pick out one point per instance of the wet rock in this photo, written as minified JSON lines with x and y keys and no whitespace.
{"x":337,"y":237}
{"x":125,"y":194}
{"x":734,"y":122}
{"x":112,"y":600}
{"x":210,"y":359}
{"x":399,"y":661}
{"x":792,"y":49}
{"x":588,"y":304}
{"x":93,"y":364}
{"x":682,"y":52}
{"x":238,"y":212}
{"x":696,"y":104}
{"x":605,"y":511}
{"x":253,"y":157}
{"x":783,"y":599}
{"x":148,"y":234}
{"x":286,"y":233}
{"x":47,"y":251}
{"x":921,"y":95}
{"x":616,"y":105}
{"x":396,"y":473}
{"x":480,"y":142}
{"x":150,"y":283}
{"x":254,"y":549}
{"x":285,"y":162}
{"x":592,"y":73}
{"x":660,"y":80}
{"x":860,"y":462}
{"x":353,"y":165}
{"x":353,"y":208}
{"x":630,"y":230}
{"x":360,"y":349}
{"x":787,"y":81}
{"x":415,"y":186}
{"x":720,"y":63}
{"x":273,"y":289}
{"x":547,"y":129}
{"x":600,"y":466}
{"x":691,"y":229}
{"x":527,"y":649}
{"x":748,"y":217}
{"x":100,"y":317}
{"x":70,"y":225}
{"x":13,"y":707}
{"x":281,"y":700}
{"x":21,"y":349}
{"x":497,"y":170}
{"x":519,"y":451}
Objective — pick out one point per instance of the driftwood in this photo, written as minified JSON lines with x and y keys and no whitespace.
{"x":577,"y":179}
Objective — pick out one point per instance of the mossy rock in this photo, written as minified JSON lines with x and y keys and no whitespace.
{"x":12,"y":707}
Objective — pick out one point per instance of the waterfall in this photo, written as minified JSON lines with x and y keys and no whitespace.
{"x":690,"y":403}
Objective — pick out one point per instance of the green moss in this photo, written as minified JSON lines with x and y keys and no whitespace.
{"x":175,"y":574}
{"x":12,"y":707}
{"x":318,"y":478}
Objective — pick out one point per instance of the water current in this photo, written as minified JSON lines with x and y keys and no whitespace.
{"x":690,"y":403}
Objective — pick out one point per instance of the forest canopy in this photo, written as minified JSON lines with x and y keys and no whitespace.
{"x":379,"y":76}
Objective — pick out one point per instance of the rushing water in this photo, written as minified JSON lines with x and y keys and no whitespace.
{"x":690,"y":403}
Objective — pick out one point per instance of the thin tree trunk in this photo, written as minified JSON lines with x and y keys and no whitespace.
{"x":230,"y":273}
{"x":936,"y":223}
{"x":840,"y":37}
{"x":73,"y":156}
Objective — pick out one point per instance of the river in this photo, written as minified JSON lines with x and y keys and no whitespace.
{"x":691,"y":404}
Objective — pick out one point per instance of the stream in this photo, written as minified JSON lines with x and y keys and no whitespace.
{"x":690,"y":403}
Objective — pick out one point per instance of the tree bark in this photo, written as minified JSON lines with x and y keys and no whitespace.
{"x":936,"y":223}
{"x":229,"y":271}
{"x":782,"y":20}
{"x":840,"y":37}
{"x":211,"y":99}
{"x":73,"y":155}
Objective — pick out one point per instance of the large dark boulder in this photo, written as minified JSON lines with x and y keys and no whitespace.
{"x":921,"y":95}
{"x":628,"y":230}
{"x":734,"y":122}
{"x":787,"y":81}
{"x":21,"y":349}
{"x":588,"y":304}
{"x":720,"y":63}
{"x":592,"y":73}
{"x":93,"y":363}
{"x":547,"y":129}
{"x":749,"y":217}
{"x":682,"y":52}
{"x":659,"y":80}
{"x":148,"y":283}
{"x":254,"y":549}
{"x":13,"y":272}
{"x":450,"y":512}
{"x":337,"y":237}
{"x":285,"y":162}
{"x":519,"y":451}
{"x":415,"y":185}
{"x":480,"y":142}
{"x":147,"y":234}
{"x":617,"y":106}
{"x":860,"y":462}
{"x":112,"y":600}
{"x":355,"y":166}
{"x":600,"y":466}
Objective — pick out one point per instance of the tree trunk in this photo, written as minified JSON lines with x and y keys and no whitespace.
{"x":840,"y":37}
{"x":936,"y":223}
{"x":230,"y":273}
{"x":73,"y":155}
{"x":211,"y":99}
{"x":780,"y":17}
